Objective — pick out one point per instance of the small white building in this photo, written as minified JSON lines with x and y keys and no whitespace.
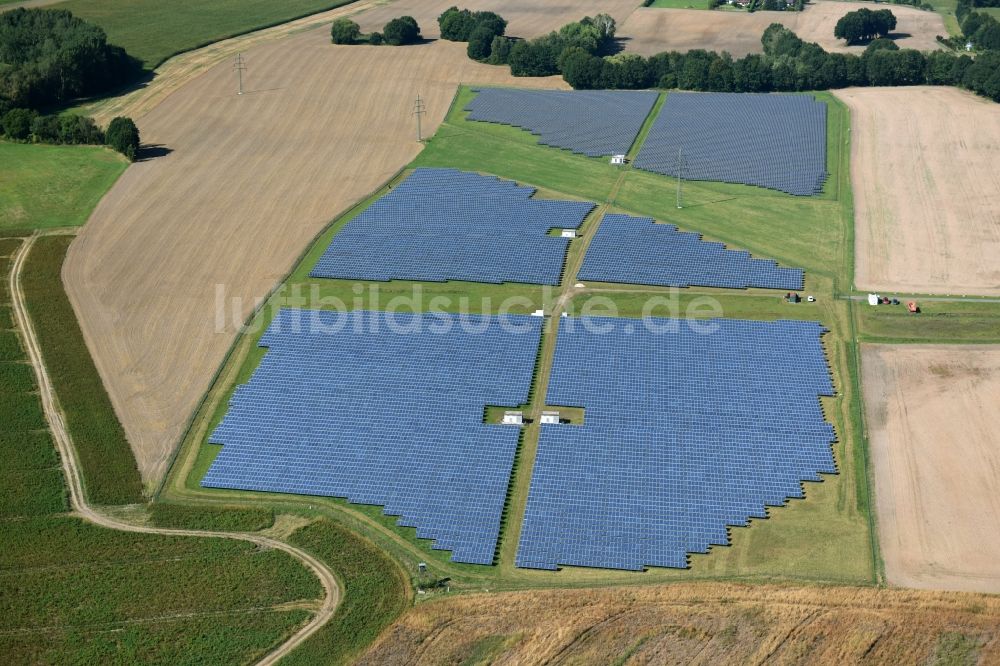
{"x":550,"y":417}
{"x":513,"y":418}
{"x":618,"y":160}
{"x":538,"y":313}
{"x":568,"y":233}
{"x":873,"y":299}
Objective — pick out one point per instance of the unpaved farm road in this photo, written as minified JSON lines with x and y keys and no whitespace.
{"x":78,"y":501}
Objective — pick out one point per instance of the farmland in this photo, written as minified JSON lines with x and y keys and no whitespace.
{"x":917,"y":398}
{"x":928,"y":220}
{"x":718,"y":623}
{"x":153,"y":31}
{"x":650,"y":30}
{"x":66,"y":583}
{"x":53,"y":186}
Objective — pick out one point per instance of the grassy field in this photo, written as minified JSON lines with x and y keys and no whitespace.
{"x":154,"y":31}
{"x":824,"y":538}
{"x":75,"y":593}
{"x":53,"y":186}
{"x":109,"y":471}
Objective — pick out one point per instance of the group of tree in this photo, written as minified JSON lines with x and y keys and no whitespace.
{"x":981,"y":30}
{"x":787,"y":64}
{"x":484,"y":31}
{"x":397,"y":32}
{"x":864,"y":25}
{"x":49,"y":57}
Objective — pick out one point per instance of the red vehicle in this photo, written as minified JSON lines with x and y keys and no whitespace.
{"x":912,"y":307}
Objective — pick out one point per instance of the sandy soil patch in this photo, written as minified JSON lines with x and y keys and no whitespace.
{"x":248,"y":182}
{"x":649,"y":30}
{"x":925,"y":166}
{"x":708,"y":623}
{"x":932,"y":416}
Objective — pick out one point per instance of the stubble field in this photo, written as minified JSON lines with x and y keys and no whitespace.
{"x":697,"y":623}
{"x":927,"y":213}
{"x":651,"y":30}
{"x":932,"y":415}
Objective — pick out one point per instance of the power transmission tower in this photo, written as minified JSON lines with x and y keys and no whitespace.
{"x":419,"y":110}
{"x":239,"y":66}
{"x":680,"y":175}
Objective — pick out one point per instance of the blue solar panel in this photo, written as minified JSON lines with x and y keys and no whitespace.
{"x":637,"y":250}
{"x":385,"y":409}
{"x":769,"y":140}
{"x":589,"y":122}
{"x":444,"y":224}
{"x":686,"y":432}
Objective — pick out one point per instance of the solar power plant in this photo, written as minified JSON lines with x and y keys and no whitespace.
{"x":685,"y":432}
{"x":773,"y":141}
{"x":637,"y":250}
{"x":445,"y":224}
{"x":385,"y":409}
{"x":589,"y":122}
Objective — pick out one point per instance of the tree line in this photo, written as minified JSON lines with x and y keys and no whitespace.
{"x":48,"y":58}
{"x":397,"y":32}
{"x":787,"y":64}
{"x":979,"y":28}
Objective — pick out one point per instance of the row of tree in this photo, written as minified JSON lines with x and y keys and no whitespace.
{"x":864,"y":25}
{"x":397,"y":32}
{"x":20,"y":124}
{"x":48,"y":57}
{"x":787,"y":64}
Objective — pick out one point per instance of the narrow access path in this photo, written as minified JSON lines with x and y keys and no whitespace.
{"x":942,"y":299}
{"x":78,"y":500}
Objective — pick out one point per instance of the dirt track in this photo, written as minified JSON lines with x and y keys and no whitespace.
{"x":932,"y":416}
{"x":649,"y":30}
{"x":707,"y":623}
{"x":246,"y":185}
{"x":925,"y":166}
{"x":78,"y":500}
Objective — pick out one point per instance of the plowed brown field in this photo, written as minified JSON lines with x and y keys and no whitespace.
{"x":651,"y":30}
{"x":248,"y":181}
{"x":925,"y":165}
{"x":696,"y":624}
{"x":935,"y":449}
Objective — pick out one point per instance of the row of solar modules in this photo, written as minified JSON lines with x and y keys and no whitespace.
{"x":589,"y":122}
{"x":392,"y":418}
{"x":444,"y":224}
{"x":637,"y":250}
{"x":768,"y":140}
{"x":676,"y":446}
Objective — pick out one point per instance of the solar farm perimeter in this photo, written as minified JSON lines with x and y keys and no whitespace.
{"x":668,"y":439}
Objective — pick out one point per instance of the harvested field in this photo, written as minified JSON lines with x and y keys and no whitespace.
{"x":526,"y":18}
{"x":697,"y":623}
{"x":932,"y":419}
{"x":242,"y":185}
{"x":650,"y":30}
{"x":927,"y":212}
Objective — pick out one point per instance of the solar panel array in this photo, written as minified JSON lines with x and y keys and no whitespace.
{"x":637,"y":250}
{"x":589,"y":122}
{"x":685,"y":433}
{"x":385,"y":409}
{"x":769,"y":140}
{"x":445,"y":224}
